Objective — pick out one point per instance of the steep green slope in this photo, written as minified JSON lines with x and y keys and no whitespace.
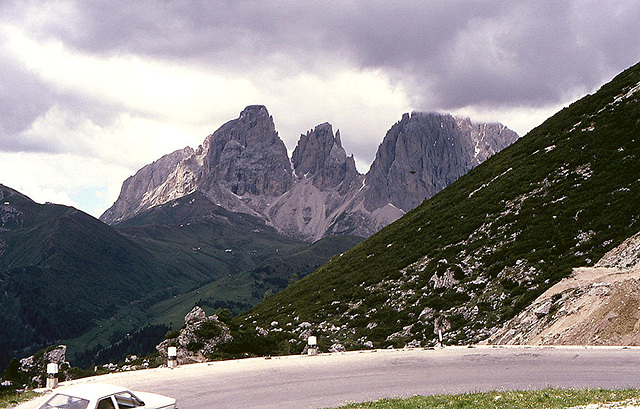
{"x":482,"y":249}
{"x":59,"y":269}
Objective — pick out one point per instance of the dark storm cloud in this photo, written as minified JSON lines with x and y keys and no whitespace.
{"x":451,"y":53}
{"x":447,"y":54}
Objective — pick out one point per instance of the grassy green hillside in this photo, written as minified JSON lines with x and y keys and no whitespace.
{"x":478,"y":252}
{"x":250,"y":259}
{"x":47,"y":291}
{"x":239,"y":292}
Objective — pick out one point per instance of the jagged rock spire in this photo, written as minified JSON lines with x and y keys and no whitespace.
{"x":319,"y":155}
{"x":425,"y":152}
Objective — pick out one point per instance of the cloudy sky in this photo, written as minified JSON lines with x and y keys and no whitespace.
{"x":92,"y":90}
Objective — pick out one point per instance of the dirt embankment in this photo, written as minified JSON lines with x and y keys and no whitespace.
{"x":597,"y":305}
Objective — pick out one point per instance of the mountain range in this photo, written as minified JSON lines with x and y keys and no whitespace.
{"x":244,"y":167}
{"x":199,"y":225}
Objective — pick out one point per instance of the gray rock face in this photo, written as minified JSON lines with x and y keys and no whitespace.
{"x":246,"y":156}
{"x":34,"y":367}
{"x":244,"y":167}
{"x":195,"y":316}
{"x":320,"y":156}
{"x":238,"y":166}
{"x":326,"y":182}
{"x":147,"y":180}
{"x":424,"y":153}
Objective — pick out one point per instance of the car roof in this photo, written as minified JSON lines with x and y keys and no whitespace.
{"x":91,"y":390}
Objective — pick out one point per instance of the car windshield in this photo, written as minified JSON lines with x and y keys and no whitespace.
{"x":65,"y":401}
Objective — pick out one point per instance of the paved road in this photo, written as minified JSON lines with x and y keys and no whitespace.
{"x":332,"y":380}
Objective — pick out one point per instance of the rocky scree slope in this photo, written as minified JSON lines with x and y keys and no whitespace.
{"x":597,"y":305}
{"x":244,"y":167}
{"x":480,"y":251}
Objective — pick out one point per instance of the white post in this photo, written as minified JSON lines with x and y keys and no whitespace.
{"x":312,"y":343}
{"x":52,"y":372}
{"x":440,"y":337}
{"x":173,"y":357}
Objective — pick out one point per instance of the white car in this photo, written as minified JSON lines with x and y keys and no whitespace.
{"x":102,"y":396}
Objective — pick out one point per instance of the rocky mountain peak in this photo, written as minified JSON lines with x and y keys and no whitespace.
{"x":247,"y":156}
{"x":425,"y":152}
{"x":320,"y":156}
{"x":244,"y":167}
{"x":253,"y":126}
{"x":136,"y":190}
{"x":487,"y":138}
{"x":254,"y":111}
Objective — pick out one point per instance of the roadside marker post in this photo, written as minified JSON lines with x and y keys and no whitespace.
{"x":52,"y":375}
{"x":312,"y":343}
{"x":172,"y":352}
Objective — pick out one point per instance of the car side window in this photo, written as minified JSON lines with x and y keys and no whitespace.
{"x":106,"y":403}
{"x":128,"y":400}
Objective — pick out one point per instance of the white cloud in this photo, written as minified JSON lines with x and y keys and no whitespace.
{"x":152,"y":108}
{"x":521,"y":119}
{"x":362,"y":104}
{"x":95,"y":90}
{"x":151,"y":86}
{"x":68,"y":179}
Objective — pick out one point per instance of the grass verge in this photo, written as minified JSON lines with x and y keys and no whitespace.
{"x":546,"y":398}
{"x":9,"y":400}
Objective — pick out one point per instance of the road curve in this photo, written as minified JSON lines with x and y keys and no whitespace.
{"x":334,"y":379}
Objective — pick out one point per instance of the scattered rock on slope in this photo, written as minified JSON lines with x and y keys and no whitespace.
{"x":597,"y":305}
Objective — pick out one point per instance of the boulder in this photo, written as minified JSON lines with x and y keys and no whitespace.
{"x":198,"y":338}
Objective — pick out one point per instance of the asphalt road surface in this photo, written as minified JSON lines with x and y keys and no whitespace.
{"x":336,"y":379}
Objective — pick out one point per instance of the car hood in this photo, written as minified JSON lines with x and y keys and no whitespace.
{"x":155,"y":401}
